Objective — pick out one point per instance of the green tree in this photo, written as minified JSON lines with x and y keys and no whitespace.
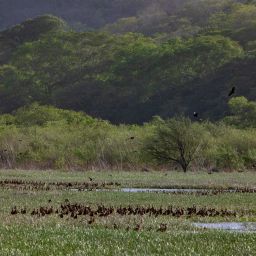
{"x":176,"y":140}
{"x":243,"y":112}
{"x":16,"y":89}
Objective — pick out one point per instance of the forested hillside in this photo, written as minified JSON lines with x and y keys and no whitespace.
{"x":184,"y":57}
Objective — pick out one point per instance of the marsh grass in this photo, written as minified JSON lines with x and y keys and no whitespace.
{"x":64,"y":240}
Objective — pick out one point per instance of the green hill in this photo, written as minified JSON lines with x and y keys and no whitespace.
{"x":130,"y":77}
{"x":28,"y":31}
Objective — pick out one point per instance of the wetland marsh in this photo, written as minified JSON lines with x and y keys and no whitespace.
{"x":41,"y":215}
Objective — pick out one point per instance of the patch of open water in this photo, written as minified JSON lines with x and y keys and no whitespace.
{"x":229,"y":226}
{"x":159,"y":190}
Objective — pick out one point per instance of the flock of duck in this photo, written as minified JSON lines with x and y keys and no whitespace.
{"x":40,"y":185}
{"x":74,"y":210}
{"x":69,"y":210}
{"x":113,"y":186}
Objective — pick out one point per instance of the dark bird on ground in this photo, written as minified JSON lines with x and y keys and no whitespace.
{"x":163,"y":227}
{"x":91,"y":221}
{"x":131,"y":138}
{"x":195,"y":114}
{"x":233,"y":90}
{"x":138,"y":227}
{"x":90,"y":179}
{"x":14,"y":210}
{"x":23,"y":211}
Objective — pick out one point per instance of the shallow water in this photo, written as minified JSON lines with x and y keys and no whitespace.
{"x":159,"y":190}
{"x":156,"y":190}
{"x":229,"y":226}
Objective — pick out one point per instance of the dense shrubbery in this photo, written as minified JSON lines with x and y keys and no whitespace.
{"x":45,"y":137}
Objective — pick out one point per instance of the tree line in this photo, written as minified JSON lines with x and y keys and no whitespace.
{"x":45,"y":137}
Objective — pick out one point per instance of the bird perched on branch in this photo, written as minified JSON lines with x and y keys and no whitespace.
{"x":195,"y":114}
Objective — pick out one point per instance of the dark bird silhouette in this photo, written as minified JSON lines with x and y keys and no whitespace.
{"x":195,"y":114}
{"x":138,"y":227}
{"x":14,"y":210}
{"x":163,"y":227}
{"x":91,"y":221}
{"x":233,"y":90}
{"x":131,"y":138}
{"x":23,"y":211}
{"x":90,"y":179}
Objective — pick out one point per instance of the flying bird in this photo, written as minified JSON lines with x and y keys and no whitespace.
{"x":233,"y":90}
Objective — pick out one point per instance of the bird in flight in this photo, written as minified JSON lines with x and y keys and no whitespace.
{"x":233,"y":90}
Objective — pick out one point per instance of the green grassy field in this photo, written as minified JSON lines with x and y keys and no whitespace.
{"x":115,"y":234}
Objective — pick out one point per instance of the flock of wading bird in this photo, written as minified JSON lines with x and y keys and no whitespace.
{"x":40,"y":185}
{"x":111,"y":186}
{"x":74,"y":210}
